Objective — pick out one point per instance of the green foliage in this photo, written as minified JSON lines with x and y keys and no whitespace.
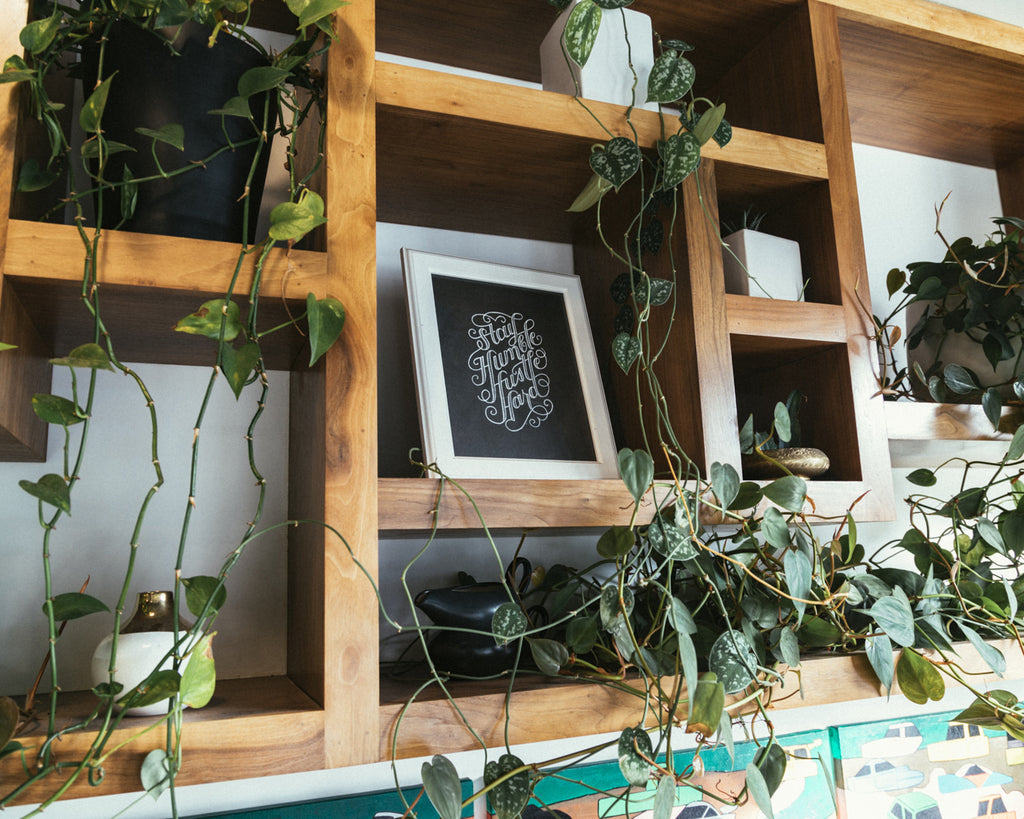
{"x":51,"y":489}
{"x":510,"y":786}
{"x":441,"y":782}
{"x":199,"y":678}
{"x":72,"y":605}
{"x":156,"y":772}
{"x":202,"y":590}
{"x":326,"y":319}
{"x":635,"y":753}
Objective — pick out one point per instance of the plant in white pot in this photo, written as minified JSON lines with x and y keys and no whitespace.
{"x":760,"y":264}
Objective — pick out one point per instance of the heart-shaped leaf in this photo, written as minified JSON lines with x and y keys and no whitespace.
{"x":616,"y":161}
{"x":16,"y":70}
{"x":207,"y":320}
{"x":919,"y":680}
{"x":636,"y":468}
{"x":55,"y":409}
{"x":959,"y":379}
{"x":634,"y":746}
{"x":879,"y":651}
{"x":171,"y":134}
{"x":199,"y":678}
{"x":51,"y":489}
{"x":655,"y":291}
{"x":922,"y":477}
{"x":87,"y":356}
{"x":759,"y":790}
{"x":771,"y":762}
{"x":509,"y":797}
{"x":548,"y":655}
{"x":798,"y":579}
{"x":616,"y":542}
{"x":671,"y":77}
{"x":34,"y":177}
{"x":775,"y":528}
{"x":91,"y":115}
{"x":238,"y":364}
{"x":441,"y":782}
{"x":37,"y":35}
{"x":200,"y":589}
{"x":725,"y":483}
{"x":260,"y":79}
{"x":326,"y":318}
{"x":72,"y":605}
{"x":670,"y":540}
{"x":992,"y":404}
{"x":234,"y":107}
{"x":508,"y":623}
{"x":992,"y":656}
{"x":612,"y":609}
{"x":290,"y":221}
{"x":156,"y":772}
{"x":895,"y":617}
{"x":581,"y":31}
{"x":680,"y":155}
{"x":709,"y":122}
{"x":160,"y":685}
{"x":733,"y":660}
{"x":626,"y":350}
{"x":318,"y":12}
{"x":581,"y":634}
{"x":788,"y":492}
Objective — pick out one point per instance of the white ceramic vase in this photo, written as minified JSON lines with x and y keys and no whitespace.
{"x":143,"y":642}
{"x":763,"y":265}
{"x":606,"y":76}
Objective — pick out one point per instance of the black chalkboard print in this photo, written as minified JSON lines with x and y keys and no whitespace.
{"x":510,"y":372}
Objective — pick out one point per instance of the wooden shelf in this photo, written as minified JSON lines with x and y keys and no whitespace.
{"x":929,"y":79}
{"x":585,"y":708}
{"x":476,"y":155}
{"x":780,"y":324}
{"x":218,"y":740}
{"x":922,"y":434}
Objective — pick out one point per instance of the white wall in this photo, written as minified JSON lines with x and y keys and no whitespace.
{"x":897,"y":197}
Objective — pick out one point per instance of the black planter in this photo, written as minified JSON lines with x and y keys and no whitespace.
{"x":155,"y":87}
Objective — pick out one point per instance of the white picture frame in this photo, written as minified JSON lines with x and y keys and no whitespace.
{"x":505,"y":367}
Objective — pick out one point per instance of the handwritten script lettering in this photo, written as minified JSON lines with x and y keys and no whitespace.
{"x":508,"y":366}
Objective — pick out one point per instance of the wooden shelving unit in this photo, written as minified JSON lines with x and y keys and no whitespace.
{"x":421,"y":147}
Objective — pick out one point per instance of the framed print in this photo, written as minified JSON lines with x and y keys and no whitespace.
{"x":506,"y":373}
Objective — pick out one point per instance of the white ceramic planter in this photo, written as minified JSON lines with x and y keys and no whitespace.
{"x":767,"y":266}
{"x":606,"y":76}
{"x":956,"y":349}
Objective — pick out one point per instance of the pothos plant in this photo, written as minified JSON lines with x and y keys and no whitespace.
{"x":698,"y":612}
{"x":295,"y":97}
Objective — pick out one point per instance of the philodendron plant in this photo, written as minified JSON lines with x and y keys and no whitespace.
{"x":291,"y":90}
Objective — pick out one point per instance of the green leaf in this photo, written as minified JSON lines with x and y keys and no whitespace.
{"x":612,"y":610}
{"x":788,"y":492}
{"x":687,"y":658}
{"x":616,"y":542}
{"x":656,"y":291}
{"x":260,"y":79}
{"x":759,"y":790}
{"x":596,"y":187}
{"x":879,"y":651}
{"x":680,"y":155}
{"x":670,"y":540}
{"x":156,"y":772}
{"x":725,"y":483}
{"x":16,"y":70}
{"x":671,"y":77}
{"x":37,"y":35}
{"x":33,"y":177}
{"x":234,"y":107}
{"x":992,"y":656}
{"x":894,"y":281}
{"x":733,"y":660}
{"x":707,"y":704}
{"x":998,"y":710}
{"x":709,"y":123}
{"x":326,"y":318}
{"x":318,"y":12}
{"x":200,"y":677}
{"x":895,"y":617}
{"x":798,"y":579}
{"x":51,"y":489}
{"x":88,"y":356}
{"x":775,"y":528}
{"x":72,"y":605}
{"x":55,"y":409}
{"x":171,"y":134}
{"x":616,"y":161}
{"x":581,"y":31}
{"x":636,"y":468}
{"x":771,"y":762}
{"x":91,"y":115}
{"x":815,"y":632}
{"x":441,"y":782}
{"x":508,"y":624}
{"x":91,"y":148}
{"x":625,"y":350}
{"x":548,"y":655}
{"x":129,"y":198}
{"x":664,"y":797}
{"x":200,"y":589}
{"x":992,"y":404}
{"x":207,"y":320}
{"x":1016,"y":449}
{"x":789,"y":647}
{"x":510,"y":796}
{"x":581,"y":634}
{"x":238,"y":364}
{"x":160,"y":685}
{"x":290,"y":221}
{"x":919,"y":680}
{"x":922,"y":477}
{"x":634,"y":745}
{"x":988,"y":532}
{"x":8,"y":720}
{"x":959,"y":379}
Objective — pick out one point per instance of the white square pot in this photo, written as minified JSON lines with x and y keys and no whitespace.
{"x":767,"y":266}
{"x":606,"y":76}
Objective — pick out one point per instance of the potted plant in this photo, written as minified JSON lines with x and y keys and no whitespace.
{"x":757,"y":263}
{"x":964,"y":322}
{"x":289,"y":84}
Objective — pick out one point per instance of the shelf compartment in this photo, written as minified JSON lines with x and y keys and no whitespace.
{"x":149,"y":282}
{"x":896,"y":62}
{"x":290,"y":727}
{"x":430,"y":725}
{"x":476,"y":155}
{"x":923,"y":434}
